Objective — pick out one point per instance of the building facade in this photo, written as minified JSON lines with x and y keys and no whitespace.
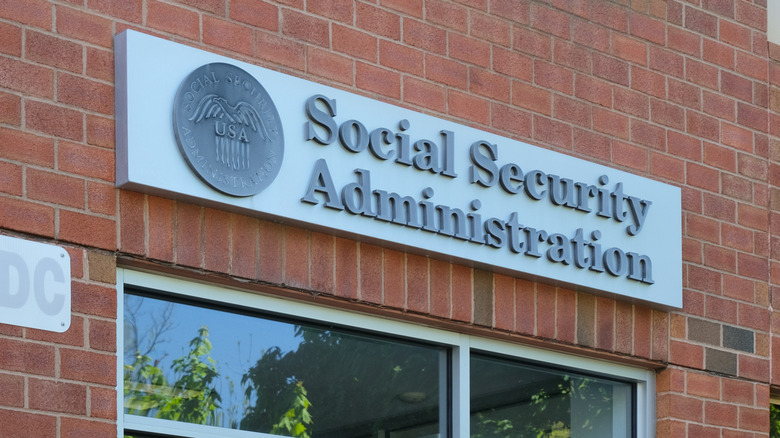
{"x":199,"y":312}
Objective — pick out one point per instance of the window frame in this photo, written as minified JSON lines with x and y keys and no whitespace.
{"x":460,"y":345}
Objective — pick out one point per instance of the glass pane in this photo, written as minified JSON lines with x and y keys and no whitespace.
{"x":774,"y":421}
{"x":214,"y":367}
{"x":516,"y":400}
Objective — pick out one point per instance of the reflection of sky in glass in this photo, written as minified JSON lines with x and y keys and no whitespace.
{"x":237,"y":340}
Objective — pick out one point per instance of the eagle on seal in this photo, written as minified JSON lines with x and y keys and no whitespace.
{"x":231,"y":143}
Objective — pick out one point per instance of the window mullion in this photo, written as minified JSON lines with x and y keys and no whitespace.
{"x":461,"y":397}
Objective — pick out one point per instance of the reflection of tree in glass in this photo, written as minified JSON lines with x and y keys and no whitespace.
{"x":191,"y":398}
{"x":353,"y":383}
{"x":774,"y":421}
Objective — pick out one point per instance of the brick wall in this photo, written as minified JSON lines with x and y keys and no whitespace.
{"x":687,"y":92}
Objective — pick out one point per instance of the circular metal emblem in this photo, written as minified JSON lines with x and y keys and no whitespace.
{"x":228,"y":129}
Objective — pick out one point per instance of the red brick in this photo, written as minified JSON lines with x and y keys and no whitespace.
{"x":256,"y":13}
{"x":684,"y":41}
{"x":719,"y":106}
{"x":702,"y":74}
{"x":491,"y":29}
{"x":306,"y":28}
{"x":447,"y":14}
{"x":27,"y":216}
{"x":489,"y":85}
{"x":592,"y":145}
{"x":87,"y":366}
{"x":102,"y":403}
{"x":330,"y":66}
{"x":753,"y":217}
{"x":667,"y":114}
{"x":10,"y":179}
{"x":545,"y":311}
{"x":378,"y":21}
{"x":102,"y":335}
{"x":441,"y":297}
{"x":244,"y":237}
{"x":684,"y":146}
{"x":33,"y":12}
{"x":667,"y":167}
{"x":176,"y":20}
{"x":10,"y":109}
{"x":10,"y":39}
{"x":280,"y":50}
{"x":189,"y":235}
{"x":611,"y":15}
{"x":393,"y":279}
{"x":718,"y":53}
{"x":737,"y":391}
{"x":591,"y":35}
{"x":100,"y":64}
{"x":504,"y":302}
{"x":52,"y":51}
{"x":512,"y":120}
{"x":610,"y":122}
{"x":55,"y":188}
{"x":734,"y":34}
{"x":648,"y":82}
{"x":755,"y":317}
{"x":100,"y":131}
{"x":296,"y":257}
{"x":446,"y":71}
{"x":752,"y":117}
{"x":474,"y":109}
{"x":132,"y":221}
{"x":611,"y":69}
{"x":720,"y":258}
{"x":425,"y":94}
{"x":469,"y":50}
{"x":370,"y":272}
{"x":214,"y":6}
{"x":82,"y":428}
{"x":26,"y":78}
{"x":701,"y":22}
{"x":753,"y":167}
{"x":736,"y":136}
{"x":536,"y":99}
{"x":554,"y":77}
{"x":232,"y":36}
{"x":594,"y":90}
{"x":128,"y":10}
{"x":55,"y":120}
{"x":718,"y":207}
{"x":417,"y":281}
{"x":85,"y":93}
{"x":550,"y":21}
{"x":513,"y":64}
{"x":87,"y":229}
{"x":13,"y":391}
{"x":272,"y":248}
{"x":426,"y":37}
{"x":552,"y":132}
{"x":752,"y":15}
{"x":83,"y":26}
{"x":702,"y":126}
{"x":571,"y":110}
{"x":647,"y":28}
{"x":410,"y":7}
{"x":26,"y":148}
{"x":703,"y":385}
{"x":19,"y":424}
{"x":634,"y":157}
{"x":339,"y":10}
{"x":629,"y":49}
{"x":461,"y":293}
{"x":48,"y":395}
{"x":736,"y":86}
{"x":27,"y":357}
{"x":532,"y":43}
{"x":378,"y":80}
{"x":518,"y":11}
{"x":362,"y":45}
{"x":686,"y":354}
{"x":668,"y":62}
{"x":92,"y":162}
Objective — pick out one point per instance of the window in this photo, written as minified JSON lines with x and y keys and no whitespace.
{"x":203,"y":361}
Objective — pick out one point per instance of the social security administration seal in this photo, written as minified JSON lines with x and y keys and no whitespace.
{"x":228,"y":129}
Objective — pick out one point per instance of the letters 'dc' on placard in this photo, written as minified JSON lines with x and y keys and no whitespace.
{"x":34,"y":285}
{"x":203,"y":128}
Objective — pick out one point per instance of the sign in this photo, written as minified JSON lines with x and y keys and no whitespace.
{"x":34,"y":285}
{"x":367,"y":170}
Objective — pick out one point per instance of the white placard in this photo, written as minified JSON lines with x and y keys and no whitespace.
{"x":34,"y":285}
{"x":349,"y":160}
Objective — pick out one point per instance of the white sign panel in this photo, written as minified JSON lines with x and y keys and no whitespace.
{"x":207,"y":129}
{"x":34,"y":285}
